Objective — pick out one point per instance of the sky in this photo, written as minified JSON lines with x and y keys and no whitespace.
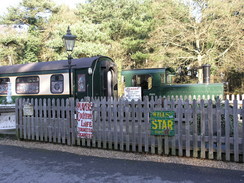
{"x":7,"y":3}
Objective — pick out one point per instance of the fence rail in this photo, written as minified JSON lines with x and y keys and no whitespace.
{"x":203,"y":129}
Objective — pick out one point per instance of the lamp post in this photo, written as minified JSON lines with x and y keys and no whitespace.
{"x":69,"y":42}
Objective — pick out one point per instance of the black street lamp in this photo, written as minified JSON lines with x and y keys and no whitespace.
{"x":69,"y":42}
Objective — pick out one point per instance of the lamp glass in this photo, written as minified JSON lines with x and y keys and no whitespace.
{"x":69,"y":44}
{"x":69,"y":40}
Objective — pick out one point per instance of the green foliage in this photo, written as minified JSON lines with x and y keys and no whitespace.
{"x":126,"y":22}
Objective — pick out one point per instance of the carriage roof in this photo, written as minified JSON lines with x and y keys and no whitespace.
{"x":51,"y":65}
{"x":148,"y":71}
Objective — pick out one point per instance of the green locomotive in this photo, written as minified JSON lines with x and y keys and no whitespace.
{"x":159,"y":82}
{"x":94,"y":77}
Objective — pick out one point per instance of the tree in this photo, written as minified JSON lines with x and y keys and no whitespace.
{"x":180,"y":41}
{"x":126,"y":25}
{"x":31,"y":14}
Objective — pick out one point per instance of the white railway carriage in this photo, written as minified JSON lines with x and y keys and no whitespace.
{"x":94,"y":77}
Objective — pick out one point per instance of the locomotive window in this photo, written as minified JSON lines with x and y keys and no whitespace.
{"x":144,"y":81}
{"x":81,"y":78}
{"x":162,"y":78}
{"x":27,"y":85}
{"x":169,"y":79}
{"x":57,"y":83}
{"x":4,"y":85}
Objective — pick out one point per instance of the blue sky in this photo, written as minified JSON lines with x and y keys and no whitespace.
{"x":7,"y":3}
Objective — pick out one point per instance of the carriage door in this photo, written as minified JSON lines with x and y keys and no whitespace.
{"x":81,"y":87}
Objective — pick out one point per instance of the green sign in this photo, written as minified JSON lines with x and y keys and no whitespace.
{"x":162,"y":123}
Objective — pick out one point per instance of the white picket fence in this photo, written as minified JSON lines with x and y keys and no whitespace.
{"x":203,"y":128}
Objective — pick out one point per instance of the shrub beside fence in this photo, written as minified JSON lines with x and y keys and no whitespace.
{"x":203,"y":129}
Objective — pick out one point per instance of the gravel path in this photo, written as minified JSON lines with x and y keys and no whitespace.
{"x":122,"y":155}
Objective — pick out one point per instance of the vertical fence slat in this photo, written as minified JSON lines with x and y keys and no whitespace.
{"x":78,"y":139}
{"x":94,"y":126}
{"x":173,"y":139}
{"x":128,"y":130}
{"x":195,"y":129}
{"x":218,"y":121}
{"x":236,"y":135}
{"x":24,"y":122}
{"x":37,"y":127}
{"x":121,"y":121}
{"x":159,"y":138}
{"x":41,"y":119}
{"x":115,"y":114}
{"x":147,"y":124}
{"x":73,"y":121}
{"x":210,"y":129}
{"x":152,"y":137}
{"x":179,"y":115}
{"x":139,"y":116}
{"x":242,"y":113}
{"x":110,"y":134}
{"x":49,"y":120}
{"x":203,"y":118}
{"x":45,"y":130}
{"x":68,"y":123}
{"x":86,"y":141}
{"x":21,"y":118}
{"x":53,"y":121}
{"x":227,"y":131}
{"x":99,"y":124}
{"x":104,"y":108}
{"x":58,"y":121}
{"x":133,"y":115}
{"x":187,"y":124}
{"x":28,"y":122}
{"x":17,"y":118}
{"x":63,"y":126}
{"x":166,"y":138}
{"x":32,"y":122}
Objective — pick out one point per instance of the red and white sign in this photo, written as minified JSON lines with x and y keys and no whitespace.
{"x":84,"y":120}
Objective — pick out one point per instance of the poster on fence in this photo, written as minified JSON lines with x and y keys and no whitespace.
{"x":132,"y":93}
{"x":162,"y":123}
{"x":84,"y":119}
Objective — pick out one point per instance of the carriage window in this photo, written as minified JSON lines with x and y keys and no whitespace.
{"x":57,"y":83}
{"x":4,"y":85}
{"x":27,"y":85}
{"x":144,"y":81}
{"x":81,"y":78}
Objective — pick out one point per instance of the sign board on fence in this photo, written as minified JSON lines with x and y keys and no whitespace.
{"x":162,"y":123}
{"x":84,"y":119}
{"x":131,"y":93}
{"x":28,"y":110}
